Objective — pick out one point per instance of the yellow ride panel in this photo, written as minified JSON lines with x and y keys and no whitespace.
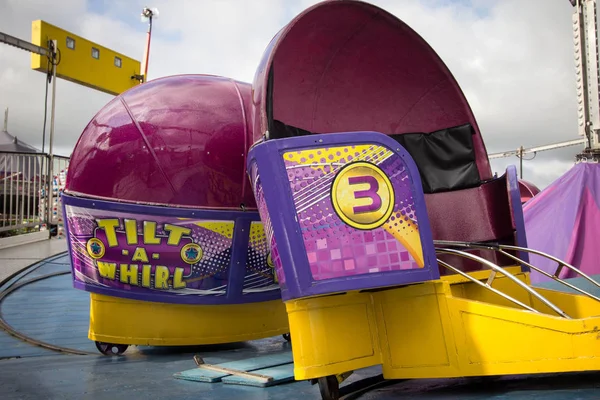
{"x":123,"y":321}
{"x":332,"y":334}
{"x":84,"y":62}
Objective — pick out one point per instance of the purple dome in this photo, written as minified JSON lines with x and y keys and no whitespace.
{"x":178,"y":141}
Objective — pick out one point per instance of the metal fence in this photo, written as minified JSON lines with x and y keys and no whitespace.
{"x":24,"y":189}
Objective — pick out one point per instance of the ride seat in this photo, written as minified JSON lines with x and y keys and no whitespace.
{"x":460,"y":206}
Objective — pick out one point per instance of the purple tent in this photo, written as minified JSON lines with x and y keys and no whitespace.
{"x":564,"y":221}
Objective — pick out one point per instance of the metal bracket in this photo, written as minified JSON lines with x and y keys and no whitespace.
{"x":24,"y":45}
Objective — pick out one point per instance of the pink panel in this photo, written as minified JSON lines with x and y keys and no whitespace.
{"x":527,"y":190}
{"x":471,"y":215}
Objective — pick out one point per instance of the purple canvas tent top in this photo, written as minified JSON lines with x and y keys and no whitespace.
{"x":564,"y":221}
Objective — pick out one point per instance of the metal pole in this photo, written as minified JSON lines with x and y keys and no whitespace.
{"x":51,"y":140}
{"x":147,"y":57}
{"x":148,"y":14}
{"x":521,"y":161}
{"x":537,"y":149}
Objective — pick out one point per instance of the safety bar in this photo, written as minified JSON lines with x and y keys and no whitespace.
{"x":501,"y":249}
{"x":487,"y":285}
{"x":496,"y":268}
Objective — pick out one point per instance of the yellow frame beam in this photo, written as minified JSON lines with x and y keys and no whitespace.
{"x":84,"y":62}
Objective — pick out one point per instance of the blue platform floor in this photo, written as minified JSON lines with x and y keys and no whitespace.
{"x":51,"y":311}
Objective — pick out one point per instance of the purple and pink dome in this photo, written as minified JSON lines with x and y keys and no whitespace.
{"x":178,"y":141}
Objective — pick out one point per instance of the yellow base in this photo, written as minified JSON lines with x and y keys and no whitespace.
{"x":123,"y":321}
{"x":446,"y":328}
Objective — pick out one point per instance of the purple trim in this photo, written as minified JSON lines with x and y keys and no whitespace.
{"x":237,"y":270}
{"x":299,"y":282}
{"x":157,"y":210}
{"x":233,"y":294}
{"x":514,"y":197}
{"x":68,"y":236}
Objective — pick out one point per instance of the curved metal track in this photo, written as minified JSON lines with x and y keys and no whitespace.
{"x":17,"y":285}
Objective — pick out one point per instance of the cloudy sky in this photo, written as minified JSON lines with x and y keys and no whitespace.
{"x":513,"y":59}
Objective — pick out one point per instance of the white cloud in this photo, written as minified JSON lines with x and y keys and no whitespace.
{"x":512,"y":58}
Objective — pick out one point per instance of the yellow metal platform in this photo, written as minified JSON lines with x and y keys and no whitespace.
{"x":446,"y":328}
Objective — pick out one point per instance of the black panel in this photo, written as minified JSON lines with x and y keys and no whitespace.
{"x":269,"y":104}
{"x":445,"y":158}
{"x":281,"y":130}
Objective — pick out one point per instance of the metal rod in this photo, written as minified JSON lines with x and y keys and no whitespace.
{"x":496,"y":268}
{"x":498,"y":247}
{"x":553,"y":146}
{"x":29,"y":175}
{"x":22,"y":44}
{"x":521,"y":161}
{"x":12,"y":180}
{"x":4,"y":189}
{"x":541,"y":271}
{"x":487,"y":286}
{"x":491,"y":278}
{"x":38,"y":188}
{"x":148,"y":50}
{"x":17,"y":226}
{"x":51,"y":140}
{"x":22,"y":187}
{"x":560,"y":262}
{"x":146,"y":59}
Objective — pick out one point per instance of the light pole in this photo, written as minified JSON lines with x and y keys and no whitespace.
{"x":147,"y":15}
{"x":587,"y":63}
{"x":49,"y":206}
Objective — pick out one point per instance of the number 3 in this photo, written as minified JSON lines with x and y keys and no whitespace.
{"x":370,"y":193}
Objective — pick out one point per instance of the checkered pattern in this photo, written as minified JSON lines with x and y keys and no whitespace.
{"x":370,"y":252}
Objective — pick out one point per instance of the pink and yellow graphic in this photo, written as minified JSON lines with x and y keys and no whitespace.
{"x":356,"y":210}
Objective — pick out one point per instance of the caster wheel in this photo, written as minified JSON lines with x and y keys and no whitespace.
{"x":287,"y":337}
{"x":110,"y":349}
{"x":329,"y":387}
